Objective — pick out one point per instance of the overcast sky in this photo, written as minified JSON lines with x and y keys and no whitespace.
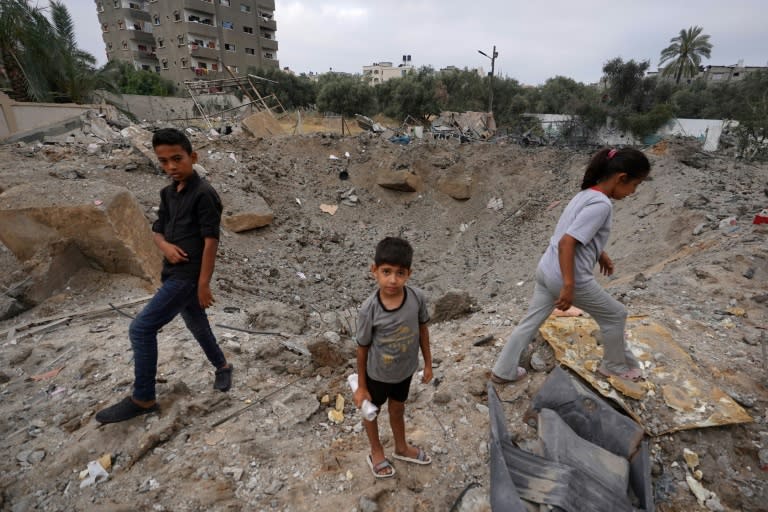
{"x":535,"y":39}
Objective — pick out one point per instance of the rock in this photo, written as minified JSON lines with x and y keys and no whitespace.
{"x":691,"y":458}
{"x":454,"y":304}
{"x":442,"y":397}
{"x":628,"y":388}
{"x":59,"y":227}
{"x":294,"y":408}
{"x":458,"y":187}
{"x":538,"y":363}
{"x":10,"y":307}
{"x":403,"y":180}
{"x":696,"y":201}
{"x":4,"y":378}
{"x":699,"y":229}
{"x":141,"y":140}
{"x":762,"y":456}
{"x":366,"y":504}
{"x":276,"y":316}
{"x":255,"y":218}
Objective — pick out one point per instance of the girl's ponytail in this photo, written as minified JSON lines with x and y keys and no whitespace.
{"x":607,"y":162}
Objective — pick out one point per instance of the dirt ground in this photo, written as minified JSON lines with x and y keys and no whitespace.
{"x":305,"y":274}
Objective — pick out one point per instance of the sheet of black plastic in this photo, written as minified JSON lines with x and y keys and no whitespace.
{"x":539,"y":480}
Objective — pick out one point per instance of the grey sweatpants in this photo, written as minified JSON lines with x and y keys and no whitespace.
{"x":610,"y":315}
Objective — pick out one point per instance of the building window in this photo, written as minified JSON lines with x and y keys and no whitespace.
{"x":224,"y":2}
{"x":125,"y":45}
{"x":245,"y":8}
{"x":183,"y":62}
{"x":229,"y":47}
{"x":250,"y":51}
{"x":157,"y":69}
{"x":142,"y":48}
{"x":266,"y":35}
{"x":176,"y":16}
{"x":117,"y":4}
{"x":121,"y":25}
{"x":157,"y":19}
{"x":104,"y":27}
{"x":161,"y":42}
{"x":109,"y":46}
{"x":100,"y":6}
{"x":180,"y":39}
{"x":228,"y":25}
{"x":215,"y":67}
{"x":134,"y":5}
{"x":165,"y":63}
{"x":269,"y":55}
{"x":248,"y":30}
{"x":145,"y":67}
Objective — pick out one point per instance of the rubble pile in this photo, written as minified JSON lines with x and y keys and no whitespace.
{"x":293,"y":266}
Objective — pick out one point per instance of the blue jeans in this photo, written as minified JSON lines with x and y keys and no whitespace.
{"x":176,"y":296}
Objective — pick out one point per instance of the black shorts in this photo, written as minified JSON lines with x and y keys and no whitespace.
{"x":381,"y":391}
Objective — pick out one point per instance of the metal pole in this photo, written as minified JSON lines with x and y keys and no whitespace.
{"x":490,"y":82}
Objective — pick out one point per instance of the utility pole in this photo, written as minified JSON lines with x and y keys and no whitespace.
{"x":492,"y":57}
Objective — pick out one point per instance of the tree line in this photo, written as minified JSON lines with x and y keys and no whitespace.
{"x":41,"y":62}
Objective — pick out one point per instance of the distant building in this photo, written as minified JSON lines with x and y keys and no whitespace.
{"x":712,"y":73}
{"x":190,"y":39}
{"x":380,"y":72}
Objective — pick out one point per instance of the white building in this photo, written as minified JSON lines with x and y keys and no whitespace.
{"x":380,"y":72}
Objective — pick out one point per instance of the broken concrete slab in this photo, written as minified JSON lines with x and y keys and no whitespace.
{"x":561,"y":444}
{"x":297,"y":406}
{"x":101,"y":222}
{"x":141,"y":140}
{"x":262,"y":124}
{"x":402,"y":180}
{"x":679,"y":394}
{"x":454,"y":304}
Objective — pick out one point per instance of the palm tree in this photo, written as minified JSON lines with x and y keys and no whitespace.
{"x":25,"y":34}
{"x":73,"y":76}
{"x":685,"y":53}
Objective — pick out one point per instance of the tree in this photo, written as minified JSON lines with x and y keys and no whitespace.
{"x":25,"y":44}
{"x":347,"y":95}
{"x":752,"y":116}
{"x":685,"y":53}
{"x":122,"y":77}
{"x":74,"y":76}
{"x":292,"y":91}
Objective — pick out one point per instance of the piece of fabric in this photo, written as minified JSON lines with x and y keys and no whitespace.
{"x":186,"y":218}
{"x":587,"y":218}
{"x":176,"y":296}
{"x":393,"y":335}
{"x":610,"y":315}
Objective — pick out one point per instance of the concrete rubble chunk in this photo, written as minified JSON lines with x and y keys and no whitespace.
{"x":68,"y":224}
{"x":261,"y":124}
{"x":141,"y":140}
{"x":240,"y":216}
{"x":458,"y":187}
{"x":402,"y":180}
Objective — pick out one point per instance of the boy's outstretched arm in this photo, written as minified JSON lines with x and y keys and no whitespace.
{"x":362,"y":385}
{"x":425,"y":352}
{"x":204,"y":294}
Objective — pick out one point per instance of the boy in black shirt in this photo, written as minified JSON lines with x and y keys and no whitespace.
{"x":187,"y":233}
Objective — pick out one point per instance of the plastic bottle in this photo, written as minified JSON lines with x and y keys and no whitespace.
{"x":368,"y":410}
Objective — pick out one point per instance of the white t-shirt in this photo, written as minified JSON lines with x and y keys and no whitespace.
{"x":587,"y":218}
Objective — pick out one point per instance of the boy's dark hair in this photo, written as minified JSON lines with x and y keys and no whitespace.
{"x":608,"y":162}
{"x":394,"y":251}
{"x":171,"y":137}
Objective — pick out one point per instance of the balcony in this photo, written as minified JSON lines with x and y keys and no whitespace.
{"x":268,"y":44}
{"x":145,"y":55}
{"x":141,"y":36}
{"x":203,"y":52}
{"x":265,"y":23}
{"x":206,"y":6}
{"x":203,"y":29}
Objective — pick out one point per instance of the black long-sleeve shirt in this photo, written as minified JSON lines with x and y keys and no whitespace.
{"x":185,"y":219}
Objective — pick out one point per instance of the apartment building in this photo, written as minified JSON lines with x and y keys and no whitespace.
{"x":380,"y":72}
{"x":190,"y":39}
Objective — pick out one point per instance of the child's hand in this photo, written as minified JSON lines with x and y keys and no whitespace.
{"x":427,"y":378}
{"x":360,"y":395}
{"x":606,"y":264}
{"x":565,"y":300}
{"x":204,"y":295}
{"x":173,"y":253}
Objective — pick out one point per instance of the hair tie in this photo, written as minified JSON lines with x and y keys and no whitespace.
{"x":612,"y":153}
